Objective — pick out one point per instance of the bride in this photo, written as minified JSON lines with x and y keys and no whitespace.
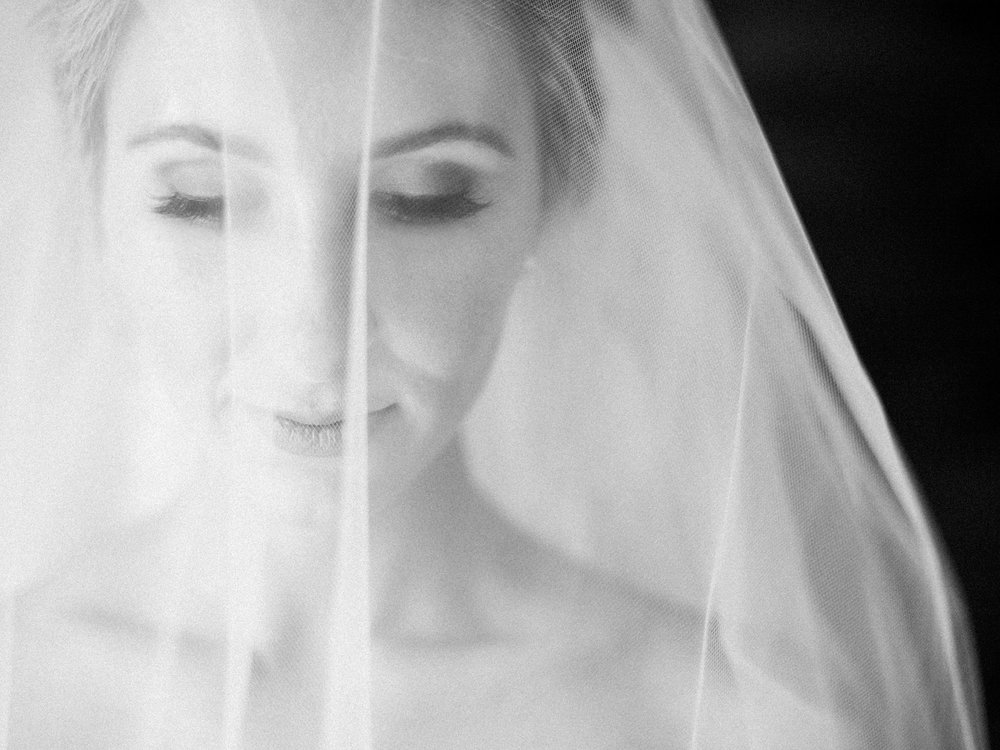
{"x":445,"y":374}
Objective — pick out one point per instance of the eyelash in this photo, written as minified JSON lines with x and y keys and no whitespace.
{"x":427,"y":209}
{"x":399,"y":207}
{"x":190,"y":208}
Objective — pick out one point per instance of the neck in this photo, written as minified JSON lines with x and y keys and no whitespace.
{"x":419,"y":542}
{"x":423,"y":552}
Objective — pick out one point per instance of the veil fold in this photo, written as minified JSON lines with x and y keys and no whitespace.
{"x":674,"y":417}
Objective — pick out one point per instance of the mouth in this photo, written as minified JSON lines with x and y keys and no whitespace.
{"x":320,"y":437}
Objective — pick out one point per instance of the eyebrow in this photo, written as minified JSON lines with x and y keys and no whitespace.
{"x":448,"y":131}
{"x":418,"y":139}
{"x":201,"y":136}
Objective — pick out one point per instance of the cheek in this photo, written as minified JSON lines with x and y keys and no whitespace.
{"x":440,"y":307}
{"x":168,"y":284}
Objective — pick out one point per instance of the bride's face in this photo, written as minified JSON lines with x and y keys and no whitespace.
{"x":229,"y":207}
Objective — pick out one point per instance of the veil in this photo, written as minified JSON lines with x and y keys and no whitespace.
{"x":452,"y":374}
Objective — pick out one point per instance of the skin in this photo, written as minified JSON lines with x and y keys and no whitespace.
{"x":481,"y":635}
{"x":257,"y":319}
{"x":249,"y":317}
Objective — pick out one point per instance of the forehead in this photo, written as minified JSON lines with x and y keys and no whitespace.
{"x":297,"y":73}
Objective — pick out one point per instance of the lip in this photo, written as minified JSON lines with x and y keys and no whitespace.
{"x":319,"y":437}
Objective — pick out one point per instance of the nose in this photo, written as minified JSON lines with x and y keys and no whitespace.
{"x":296,"y":325}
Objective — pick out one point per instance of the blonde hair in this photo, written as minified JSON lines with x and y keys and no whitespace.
{"x":85,"y":36}
{"x":554,"y":37}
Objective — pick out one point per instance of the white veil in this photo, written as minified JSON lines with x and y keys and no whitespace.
{"x":675,"y":449}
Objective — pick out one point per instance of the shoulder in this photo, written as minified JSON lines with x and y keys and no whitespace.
{"x":623,"y":661}
{"x":532,"y":588}
{"x":554,"y":653}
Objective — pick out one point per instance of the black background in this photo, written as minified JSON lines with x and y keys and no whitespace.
{"x":883,"y":118}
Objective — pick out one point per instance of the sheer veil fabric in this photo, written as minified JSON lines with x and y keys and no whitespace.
{"x":435,"y":374}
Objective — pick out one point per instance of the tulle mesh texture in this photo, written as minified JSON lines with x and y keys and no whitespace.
{"x":452,"y":374}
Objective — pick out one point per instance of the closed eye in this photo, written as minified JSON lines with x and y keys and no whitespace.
{"x":426,"y":209}
{"x":195,"y":209}
{"x":399,"y":207}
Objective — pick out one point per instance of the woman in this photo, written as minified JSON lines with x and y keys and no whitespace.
{"x":447,"y":375}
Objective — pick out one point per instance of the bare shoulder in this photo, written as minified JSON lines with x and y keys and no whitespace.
{"x":636,"y":669}
{"x":566,"y":656}
{"x":575,"y":657}
{"x":627,"y":657}
{"x":531,"y":588}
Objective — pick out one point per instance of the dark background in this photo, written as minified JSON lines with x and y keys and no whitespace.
{"x":883,"y":118}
